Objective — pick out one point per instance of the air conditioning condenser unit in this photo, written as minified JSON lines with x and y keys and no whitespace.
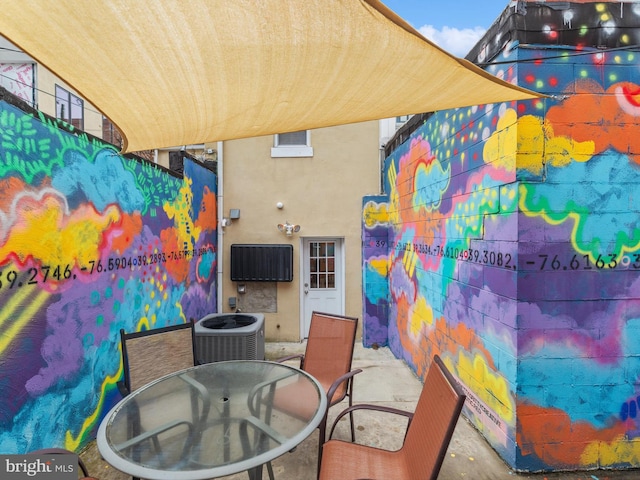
{"x":230,"y":336}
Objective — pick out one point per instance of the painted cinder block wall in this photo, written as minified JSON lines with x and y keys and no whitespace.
{"x":376,"y":235}
{"x":90,"y":242}
{"x":514,"y":244}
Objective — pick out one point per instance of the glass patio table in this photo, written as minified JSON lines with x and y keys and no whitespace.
{"x":209,"y":421}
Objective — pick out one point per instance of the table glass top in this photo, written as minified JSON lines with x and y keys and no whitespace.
{"x":213,"y":419}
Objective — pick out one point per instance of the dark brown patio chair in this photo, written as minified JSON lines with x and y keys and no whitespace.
{"x":426,"y":440}
{"x":150,"y":354}
{"x":62,"y":451}
{"x":328,"y":356}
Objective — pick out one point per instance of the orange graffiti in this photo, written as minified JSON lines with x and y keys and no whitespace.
{"x":605,"y":118}
{"x":549,"y":434}
{"x":427,"y":230}
{"x":171,"y":242}
{"x":418,"y":156}
{"x":9,"y":189}
{"x":461,"y":336}
{"x":123,"y":234}
{"x":444,"y":338}
{"x":208,"y":215}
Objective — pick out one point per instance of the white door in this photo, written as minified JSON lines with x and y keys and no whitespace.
{"x":323,"y":279}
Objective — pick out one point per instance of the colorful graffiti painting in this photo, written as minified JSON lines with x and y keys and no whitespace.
{"x":90,"y":242}
{"x":514,"y":253}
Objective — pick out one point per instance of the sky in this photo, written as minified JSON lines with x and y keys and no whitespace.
{"x":454,"y":25}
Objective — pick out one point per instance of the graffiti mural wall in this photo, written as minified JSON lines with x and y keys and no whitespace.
{"x":375,"y":247}
{"x":90,"y":242}
{"x":514,"y":253}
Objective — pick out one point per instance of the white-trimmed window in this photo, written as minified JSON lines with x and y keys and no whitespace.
{"x":69,"y":107}
{"x":18,"y":79}
{"x":401,"y":120}
{"x":294,"y":144}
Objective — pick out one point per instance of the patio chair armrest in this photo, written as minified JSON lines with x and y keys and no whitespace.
{"x":291,"y":357}
{"x":122,"y":388}
{"x":366,"y":406}
{"x":202,"y":392}
{"x":254,"y":399}
{"x":343,"y":378}
{"x":263,"y":428}
{"x":154,"y":433}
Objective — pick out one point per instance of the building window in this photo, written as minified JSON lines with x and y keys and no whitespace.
{"x":18,"y":79}
{"x":401,"y":120}
{"x":69,"y":108}
{"x":294,"y":144}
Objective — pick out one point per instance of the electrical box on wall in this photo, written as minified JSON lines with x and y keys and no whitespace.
{"x":261,"y":263}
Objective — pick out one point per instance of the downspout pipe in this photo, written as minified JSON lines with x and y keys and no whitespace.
{"x":220,"y":249}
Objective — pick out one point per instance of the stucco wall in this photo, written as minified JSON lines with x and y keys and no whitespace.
{"x":91,"y":242}
{"x":322,"y":194}
{"x":514,"y":254}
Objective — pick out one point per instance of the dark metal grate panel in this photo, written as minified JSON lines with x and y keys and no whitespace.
{"x":261,"y":263}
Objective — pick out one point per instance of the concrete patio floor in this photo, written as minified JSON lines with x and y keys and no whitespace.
{"x":385,"y":380}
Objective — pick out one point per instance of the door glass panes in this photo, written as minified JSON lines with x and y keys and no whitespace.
{"x":322,"y":265}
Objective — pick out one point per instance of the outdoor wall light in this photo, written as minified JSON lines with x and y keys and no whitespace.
{"x":288,"y":229}
{"x":234,"y":214}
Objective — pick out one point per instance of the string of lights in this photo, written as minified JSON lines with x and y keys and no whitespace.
{"x":552,"y":57}
{"x":595,"y":51}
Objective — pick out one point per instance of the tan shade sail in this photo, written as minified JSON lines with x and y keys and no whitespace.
{"x":178,"y":72}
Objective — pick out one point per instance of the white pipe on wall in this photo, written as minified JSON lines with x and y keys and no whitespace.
{"x":220,"y":170}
